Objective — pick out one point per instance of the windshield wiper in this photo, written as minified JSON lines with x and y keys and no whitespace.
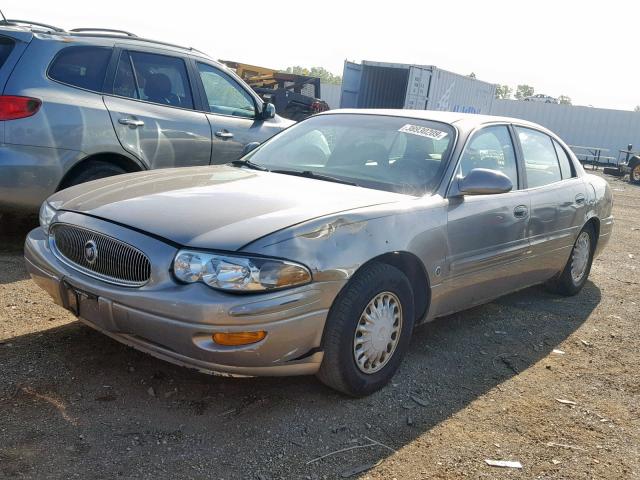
{"x":248,"y":163}
{"x":314,"y":175}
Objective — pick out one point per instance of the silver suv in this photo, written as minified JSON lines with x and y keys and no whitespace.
{"x":85,"y":104}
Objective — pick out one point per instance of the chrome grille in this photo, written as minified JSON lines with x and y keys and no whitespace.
{"x":115,"y":261}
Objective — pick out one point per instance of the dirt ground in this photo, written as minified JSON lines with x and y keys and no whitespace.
{"x":551,"y":382}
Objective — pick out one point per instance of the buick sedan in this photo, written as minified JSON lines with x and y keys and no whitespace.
{"x":320,"y":250}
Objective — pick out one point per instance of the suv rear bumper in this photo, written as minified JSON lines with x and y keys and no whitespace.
{"x":30,"y":174}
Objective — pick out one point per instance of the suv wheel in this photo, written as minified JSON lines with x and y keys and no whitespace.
{"x":368,"y":331}
{"x":94,"y":170}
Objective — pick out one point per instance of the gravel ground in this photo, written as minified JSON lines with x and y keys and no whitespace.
{"x":482,"y":384}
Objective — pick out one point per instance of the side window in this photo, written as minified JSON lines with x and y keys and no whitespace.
{"x":6,"y":47}
{"x":154,"y":78}
{"x":491,"y":148}
{"x":540,"y":158}
{"x":83,"y":67}
{"x":224,"y":95}
{"x":565,"y":161}
{"x":124,"y":83}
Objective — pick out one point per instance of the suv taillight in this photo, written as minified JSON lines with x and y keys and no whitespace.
{"x":12,"y":107}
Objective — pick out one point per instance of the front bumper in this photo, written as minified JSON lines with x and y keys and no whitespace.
{"x":176,"y":322}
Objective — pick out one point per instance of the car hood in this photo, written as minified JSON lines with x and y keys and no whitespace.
{"x":219,"y":207}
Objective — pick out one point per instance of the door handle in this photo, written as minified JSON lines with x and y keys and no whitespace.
{"x":520,"y":211}
{"x":224,"y":134}
{"x":580,"y":199}
{"x":131,"y":122}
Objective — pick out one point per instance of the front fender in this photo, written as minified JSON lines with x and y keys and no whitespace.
{"x":336,"y":246}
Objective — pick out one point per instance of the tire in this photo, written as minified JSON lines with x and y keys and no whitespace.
{"x":566,"y":282}
{"x":634,"y":174}
{"x":93,"y":170}
{"x":339,"y":369}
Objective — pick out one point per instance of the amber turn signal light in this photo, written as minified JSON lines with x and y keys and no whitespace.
{"x":234,"y":339}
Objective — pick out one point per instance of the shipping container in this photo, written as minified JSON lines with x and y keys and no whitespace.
{"x":416,"y":87}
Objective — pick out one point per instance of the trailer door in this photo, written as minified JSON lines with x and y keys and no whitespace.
{"x":351,"y":76}
{"x":418,"y":88}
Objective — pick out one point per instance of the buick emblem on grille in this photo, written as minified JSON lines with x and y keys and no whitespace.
{"x":90,"y":252}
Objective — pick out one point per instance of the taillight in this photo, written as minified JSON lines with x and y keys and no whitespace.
{"x":319,"y":106}
{"x":12,"y":107}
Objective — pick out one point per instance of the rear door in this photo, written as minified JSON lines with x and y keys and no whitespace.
{"x":487,"y":234}
{"x":558,"y":201}
{"x":232,"y":112}
{"x":151,"y":104}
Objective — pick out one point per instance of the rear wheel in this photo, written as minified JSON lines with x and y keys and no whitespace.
{"x":368,"y":331}
{"x":93,"y":170}
{"x":634,"y":175}
{"x":571,"y":280}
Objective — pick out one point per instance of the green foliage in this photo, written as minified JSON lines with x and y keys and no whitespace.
{"x":503,"y":92}
{"x":564,"y":100}
{"x":523,"y":91}
{"x":324,"y":75}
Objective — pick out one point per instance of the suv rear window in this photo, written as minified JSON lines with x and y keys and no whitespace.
{"x":6,"y":47}
{"x":83,"y":67}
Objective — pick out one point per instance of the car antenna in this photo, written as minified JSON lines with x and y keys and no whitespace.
{"x":3,"y":17}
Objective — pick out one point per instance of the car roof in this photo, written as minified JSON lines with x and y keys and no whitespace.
{"x":97,"y":36}
{"x":464,"y":121}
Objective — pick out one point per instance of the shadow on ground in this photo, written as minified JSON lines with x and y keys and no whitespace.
{"x":109,"y":411}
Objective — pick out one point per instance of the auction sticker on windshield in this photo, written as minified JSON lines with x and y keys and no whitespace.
{"x":423,"y":131}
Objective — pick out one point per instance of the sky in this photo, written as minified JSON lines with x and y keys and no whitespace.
{"x":584,"y":49}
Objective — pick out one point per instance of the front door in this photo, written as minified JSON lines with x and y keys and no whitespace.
{"x":152,"y":111}
{"x":487,"y":234}
{"x":233,"y":115}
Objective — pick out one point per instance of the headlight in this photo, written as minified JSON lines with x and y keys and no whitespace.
{"x":47,"y":212}
{"x":238,"y":273}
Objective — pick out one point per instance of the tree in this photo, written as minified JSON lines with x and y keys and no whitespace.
{"x":637,"y":109}
{"x":564,"y":100}
{"x":523,"y":91}
{"x":503,"y":91}
{"x":324,"y":75}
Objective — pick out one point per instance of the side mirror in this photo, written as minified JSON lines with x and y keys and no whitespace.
{"x":268,"y":111}
{"x":482,"y":181}
{"x":249,"y":147}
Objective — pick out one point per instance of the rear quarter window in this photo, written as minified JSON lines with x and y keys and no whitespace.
{"x":83,"y":67}
{"x":6,"y":47}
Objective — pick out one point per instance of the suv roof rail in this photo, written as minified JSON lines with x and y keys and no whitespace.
{"x":11,"y":21}
{"x":103,"y":30}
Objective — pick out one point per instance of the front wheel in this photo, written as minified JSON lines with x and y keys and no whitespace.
{"x":571,"y":280}
{"x":368,"y":331}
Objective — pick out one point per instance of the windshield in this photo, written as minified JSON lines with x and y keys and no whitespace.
{"x":397,"y":154}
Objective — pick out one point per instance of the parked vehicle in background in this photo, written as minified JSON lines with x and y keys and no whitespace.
{"x":85,"y":104}
{"x":632,"y":167}
{"x":541,"y":97}
{"x":335,"y":238}
{"x":295,"y":96}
